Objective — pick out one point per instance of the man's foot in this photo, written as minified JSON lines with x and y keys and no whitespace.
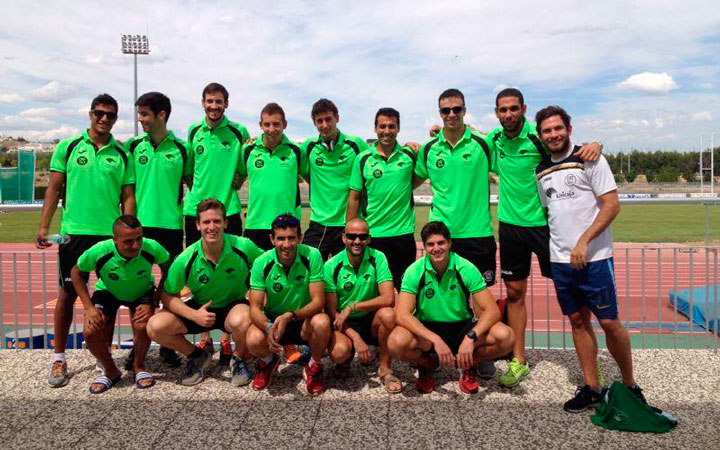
{"x":584,"y":398}
{"x":486,"y":370}
{"x":468,"y":381}
{"x":195,"y":368}
{"x":635,"y":389}
{"x":313,"y":376}
{"x":241,"y":374}
{"x":390,"y":382}
{"x":207,"y":343}
{"x":99,"y":368}
{"x":103,"y":383}
{"x":425,"y":382}
{"x":169,"y":357}
{"x":130,"y":360}
{"x":226,"y":352}
{"x":264,"y":372}
{"x":515,"y":373}
{"x":58,"y":374}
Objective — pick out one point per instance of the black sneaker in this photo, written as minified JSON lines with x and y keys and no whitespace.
{"x":169,"y":357}
{"x":130,"y":360}
{"x":584,"y":398}
{"x":638,"y":392}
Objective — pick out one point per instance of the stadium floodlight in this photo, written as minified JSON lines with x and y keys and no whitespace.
{"x":135,"y":44}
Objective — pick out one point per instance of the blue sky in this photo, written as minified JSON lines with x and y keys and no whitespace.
{"x":640,"y":74}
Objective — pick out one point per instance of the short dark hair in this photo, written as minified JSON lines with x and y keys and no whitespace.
{"x":550,"y":111}
{"x":434,"y":227}
{"x":388,"y":112}
{"x":510,"y":92}
{"x":284,"y":222}
{"x":156,"y":101}
{"x":214,"y":88}
{"x":323,"y":106}
{"x":127,"y":221}
{"x":104,"y":99}
{"x":273,"y":108}
{"x":211,"y":203}
{"x":451,"y":93}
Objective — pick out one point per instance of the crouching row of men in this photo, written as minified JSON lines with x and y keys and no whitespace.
{"x":444,"y":315}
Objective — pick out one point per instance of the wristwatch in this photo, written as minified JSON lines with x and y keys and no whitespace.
{"x":472,"y":335}
{"x":293,"y":316}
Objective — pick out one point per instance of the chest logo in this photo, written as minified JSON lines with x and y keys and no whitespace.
{"x":466,"y":156}
{"x":570,"y":180}
{"x":277,"y":287}
{"x":523,"y":152}
{"x":300,"y":278}
{"x":203,"y":279}
{"x":366,"y":276}
{"x":440,"y":163}
{"x":429,"y":293}
{"x":502,"y":153}
{"x":81,"y":161}
{"x":229,"y":270}
{"x":348,"y":286}
{"x":377,"y":173}
{"x":319,"y":162}
{"x":550,"y":191}
{"x":143,"y":159}
{"x":259,"y":163}
{"x":200,"y":150}
{"x":113,"y":276}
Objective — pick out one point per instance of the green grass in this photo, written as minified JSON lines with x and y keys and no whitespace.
{"x":636,"y":223}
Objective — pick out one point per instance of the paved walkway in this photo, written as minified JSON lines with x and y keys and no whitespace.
{"x":354,"y":413}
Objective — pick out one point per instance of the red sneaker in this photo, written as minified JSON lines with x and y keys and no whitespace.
{"x":313,"y":375}
{"x":225,"y":353}
{"x":468,"y":381}
{"x":425,"y":382}
{"x":264,"y":372}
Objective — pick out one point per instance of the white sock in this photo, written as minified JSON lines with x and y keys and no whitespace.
{"x":59,"y":357}
{"x":267,"y":359}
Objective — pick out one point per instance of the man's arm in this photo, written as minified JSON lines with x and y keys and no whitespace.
{"x":609,"y":209}
{"x":590,"y":152}
{"x":94,"y":316}
{"x":128,"y":199}
{"x":416,"y":181}
{"x":487,"y":311}
{"x":176,"y":306}
{"x":163,"y":276}
{"x":385,"y":298}
{"x":52,"y":196}
{"x":353,"y":205}
{"x":256,"y":298}
{"x":404,"y":316}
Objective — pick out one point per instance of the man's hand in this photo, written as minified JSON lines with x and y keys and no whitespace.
{"x":578,"y":255}
{"x":412,"y":145}
{"x":341,"y":318}
{"x":465,"y":353}
{"x":142,"y":313}
{"x":203,"y":317}
{"x":445,"y":356}
{"x":41,"y":239}
{"x":276,"y":333}
{"x":236,"y":181}
{"x":590,"y":152}
{"x":363,"y":352}
{"x":95,"y":318}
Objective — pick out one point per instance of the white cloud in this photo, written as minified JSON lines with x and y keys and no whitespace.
{"x":39,"y":112}
{"x":61,"y":132}
{"x":499,"y":88}
{"x":10,"y":98}
{"x":702,"y":115}
{"x":649,"y":83}
{"x":706,"y":86}
{"x":53,"y":92}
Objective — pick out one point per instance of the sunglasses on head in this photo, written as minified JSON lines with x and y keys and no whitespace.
{"x":455,"y":109}
{"x":361,"y":236}
{"x":286,"y":221}
{"x":99,"y":113}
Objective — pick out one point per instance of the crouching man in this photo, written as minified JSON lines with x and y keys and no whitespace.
{"x":124,"y":268}
{"x":446,"y":315}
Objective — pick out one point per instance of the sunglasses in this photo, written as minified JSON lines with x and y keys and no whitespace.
{"x":455,"y":109}
{"x":361,"y":236}
{"x":99,"y":113}
{"x":286,"y":221}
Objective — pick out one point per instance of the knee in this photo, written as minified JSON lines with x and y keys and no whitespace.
{"x":341,"y":350}
{"x":505,"y":337}
{"x":254,"y":339}
{"x":397,"y":343}
{"x":238,"y":323}
{"x":387,"y":318}
{"x":611,"y":326}
{"x":91,"y":332}
{"x":320,"y":323}
{"x":139,"y":327}
{"x":577,"y":321}
{"x":515,"y":294}
{"x":153,"y":326}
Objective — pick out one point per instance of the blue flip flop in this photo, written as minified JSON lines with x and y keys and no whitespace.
{"x":142,"y":375}
{"x":106,"y":382}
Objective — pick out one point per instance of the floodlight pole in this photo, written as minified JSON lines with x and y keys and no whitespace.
{"x":135,"y":45}
{"x":135,"y":122}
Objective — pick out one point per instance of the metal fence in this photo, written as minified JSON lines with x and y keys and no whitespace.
{"x":645,"y":277}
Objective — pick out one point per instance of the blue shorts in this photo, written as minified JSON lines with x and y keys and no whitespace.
{"x":592,"y":287}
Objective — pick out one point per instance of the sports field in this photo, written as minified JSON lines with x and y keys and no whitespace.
{"x":636,"y":223}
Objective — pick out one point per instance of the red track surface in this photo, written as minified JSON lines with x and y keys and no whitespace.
{"x":645,"y":274}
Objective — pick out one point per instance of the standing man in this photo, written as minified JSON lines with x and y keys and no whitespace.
{"x":440,"y":297}
{"x":381,"y":191}
{"x":360,"y":300}
{"x":95,"y":177}
{"x":124,"y":268}
{"x":515,"y":153}
{"x":161,"y":163}
{"x":273,"y":165}
{"x":287,"y":298}
{"x":582,"y":202}
{"x":216,"y":269}
{"x":330,"y":158}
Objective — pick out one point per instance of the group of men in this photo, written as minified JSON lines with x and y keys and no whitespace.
{"x":334,"y":288}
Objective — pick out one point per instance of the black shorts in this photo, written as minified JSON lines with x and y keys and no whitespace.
{"x":326,"y":239}
{"x":109,"y":304}
{"x":192,"y":234}
{"x":291,"y":336}
{"x":516,"y":247}
{"x":452,"y":333}
{"x":400,"y":252}
{"x":261,"y":238}
{"x":220,"y":316}
{"x":481,"y":252}
{"x":363,"y":326}
{"x":171,"y":240}
{"x":69,"y":253}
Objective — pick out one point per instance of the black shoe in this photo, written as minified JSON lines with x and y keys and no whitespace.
{"x":130,"y":360}
{"x":169,"y":357}
{"x":584,"y":398}
{"x":638,"y":392}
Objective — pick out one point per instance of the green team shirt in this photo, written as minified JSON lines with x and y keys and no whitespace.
{"x":94,"y":178}
{"x":223,"y":282}
{"x":214,"y":155}
{"x":272,"y":181}
{"x":514,"y":160}
{"x":447,"y":299}
{"x":286,"y":290}
{"x":386,"y":190}
{"x":459,"y":177}
{"x":126,"y":279}
{"x":159,"y":173}
{"x":329,"y":176}
{"x":353,"y":286}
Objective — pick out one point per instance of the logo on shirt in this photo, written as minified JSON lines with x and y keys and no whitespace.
{"x":203,"y":279}
{"x":113,"y":276}
{"x":319,"y":162}
{"x":401,"y":163}
{"x":141,"y":272}
{"x":429,"y":293}
{"x":440,"y":163}
{"x":366,"y":276}
{"x":502,"y":153}
{"x":230,"y":270}
{"x":259,"y":163}
{"x":523,"y":152}
{"x":377,"y":173}
{"x":467,"y":156}
{"x":348,"y":286}
{"x":200,"y":150}
{"x":143,"y":159}
{"x":109,"y":162}
{"x":300,"y":278}
{"x":81,"y":161}
{"x":488,"y":275}
{"x":277,"y":287}
{"x":550,"y":191}
{"x":225,"y":146}
{"x":570,"y":180}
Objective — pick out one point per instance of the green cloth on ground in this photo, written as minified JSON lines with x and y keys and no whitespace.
{"x":622,"y":410}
